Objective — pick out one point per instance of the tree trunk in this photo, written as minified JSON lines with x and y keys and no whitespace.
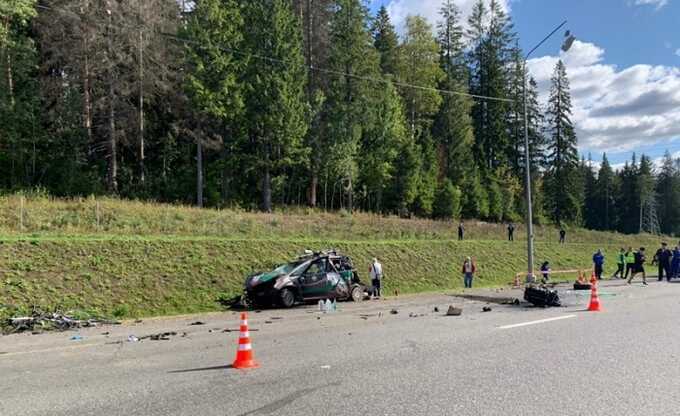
{"x":225,"y":176}
{"x":199,"y":174}
{"x":10,"y":91}
{"x":113,"y":159}
{"x":350,"y":197}
{"x":267,"y":184}
{"x":87,"y":101}
{"x":142,"y":176}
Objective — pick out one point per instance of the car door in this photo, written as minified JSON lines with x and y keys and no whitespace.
{"x":314,"y":281}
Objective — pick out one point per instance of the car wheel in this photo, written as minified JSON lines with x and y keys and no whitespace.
{"x":357,"y":294}
{"x":287,"y":298}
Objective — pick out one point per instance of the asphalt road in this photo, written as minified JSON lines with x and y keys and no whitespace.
{"x":364,"y":360}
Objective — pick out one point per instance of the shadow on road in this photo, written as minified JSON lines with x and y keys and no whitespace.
{"x":191,"y":370}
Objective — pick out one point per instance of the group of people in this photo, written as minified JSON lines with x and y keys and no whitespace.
{"x":630,"y":263}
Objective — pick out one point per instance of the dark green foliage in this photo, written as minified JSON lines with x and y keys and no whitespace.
{"x":258,"y":104}
{"x":447,"y":201}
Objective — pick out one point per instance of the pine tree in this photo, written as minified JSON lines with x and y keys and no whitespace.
{"x":385,"y":41}
{"x":276,"y":107}
{"x":648,"y":219}
{"x":563,"y":189}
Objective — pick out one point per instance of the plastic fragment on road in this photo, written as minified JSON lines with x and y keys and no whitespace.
{"x":132,"y":338}
{"x":76,"y":338}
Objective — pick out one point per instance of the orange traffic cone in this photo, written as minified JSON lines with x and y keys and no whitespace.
{"x":244,"y":354}
{"x":594,"y":299}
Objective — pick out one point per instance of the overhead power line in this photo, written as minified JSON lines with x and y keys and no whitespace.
{"x":310,"y":67}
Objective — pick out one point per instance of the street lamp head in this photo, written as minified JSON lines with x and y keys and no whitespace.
{"x":568,"y":41}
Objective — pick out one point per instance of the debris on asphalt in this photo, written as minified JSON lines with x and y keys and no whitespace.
{"x":415,"y":315}
{"x":76,"y":338}
{"x":436,"y":309}
{"x":138,"y":321}
{"x":274,"y":318}
{"x":132,"y":338}
{"x":268,"y":322}
{"x":486,"y":309}
{"x":107,"y":333}
{"x":394,"y":311}
{"x":162,"y":336}
{"x":40,"y":321}
{"x":454,"y":311}
{"x":326,"y":367}
{"x":197,"y":323}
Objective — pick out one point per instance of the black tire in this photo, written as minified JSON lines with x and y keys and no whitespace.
{"x":287,"y":298}
{"x":357,"y":294}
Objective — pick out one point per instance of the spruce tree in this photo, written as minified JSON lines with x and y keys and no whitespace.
{"x":386,"y":41}
{"x":353,"y":58}
{"x":452,"y":129}
{"x":214,"y":79}
{"x":628,"y":198}
{"x":562,"y":185}
{"x":668,"y":193}
{"x":605,"y":196}
{"x":591,"y":214}
{"x":276,"y":106}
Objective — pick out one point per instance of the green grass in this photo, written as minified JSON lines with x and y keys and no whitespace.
{"x":153,"y":259}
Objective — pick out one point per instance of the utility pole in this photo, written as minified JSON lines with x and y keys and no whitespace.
{"x":527,"y":160}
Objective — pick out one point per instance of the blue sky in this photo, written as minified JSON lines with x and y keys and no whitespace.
{"x":624,"y":68}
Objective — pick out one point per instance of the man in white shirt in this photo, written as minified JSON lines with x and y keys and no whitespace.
{"x":375,"y":270}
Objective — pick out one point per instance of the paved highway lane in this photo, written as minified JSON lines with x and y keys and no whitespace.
{"x":513,"y":360}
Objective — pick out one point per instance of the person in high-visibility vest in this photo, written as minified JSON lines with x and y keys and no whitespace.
{"x":620,"y":263}
{"x":630,"y":261}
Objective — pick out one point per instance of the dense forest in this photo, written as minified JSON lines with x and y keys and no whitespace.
{"x":301,"y":102}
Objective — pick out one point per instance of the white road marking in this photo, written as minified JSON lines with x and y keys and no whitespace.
{"x":540,"y":321}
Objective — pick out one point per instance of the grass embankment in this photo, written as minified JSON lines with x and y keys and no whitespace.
{"x":152,"y":259}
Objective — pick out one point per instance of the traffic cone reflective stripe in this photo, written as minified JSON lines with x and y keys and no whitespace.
{"x":244,"y":353}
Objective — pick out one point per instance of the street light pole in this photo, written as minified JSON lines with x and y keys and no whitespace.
{"x":527,"y":161}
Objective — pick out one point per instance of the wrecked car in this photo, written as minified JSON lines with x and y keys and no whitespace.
{"x":312,"y":276}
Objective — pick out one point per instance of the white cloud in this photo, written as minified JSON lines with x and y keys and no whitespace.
{"x":400,"y":9}
{"x":677,"y":51}
{"x":616,"y":110}
{"x":656,"y":3}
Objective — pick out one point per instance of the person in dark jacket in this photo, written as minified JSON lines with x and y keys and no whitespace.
{"x":675,"y":262}
{"x":563,"y":235}
{"x":545,"y":269}
{"x":461,"y":231}
{"x":639,"y":266}
{"x":662,"y":258}
{"x":598,"y":263}
{"x":511,"y":232}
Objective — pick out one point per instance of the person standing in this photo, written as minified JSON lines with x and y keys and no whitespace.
{"x":511,"y":232}
{"x":662,"y":258}
{"x":545,"y":270}
{"x":461,"y":232}
{"x":598,"y":263}
{"x":563,"y":235}
{"x":675,"y":262}
{"x":630,"y":261}
{"x":375,"y":270}
{"x":620,"y":263}
{"x":639,"y":266}
{"x":469,"y":270}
